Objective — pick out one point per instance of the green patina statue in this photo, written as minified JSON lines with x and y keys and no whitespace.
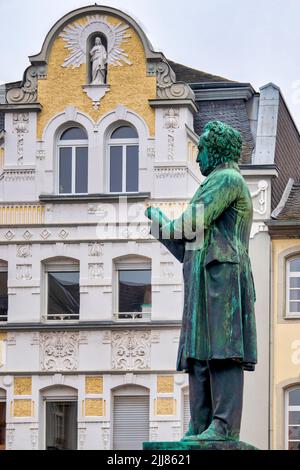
{"x":218,"y":335}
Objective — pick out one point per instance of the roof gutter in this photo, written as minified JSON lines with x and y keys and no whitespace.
{"x":222,"y":91}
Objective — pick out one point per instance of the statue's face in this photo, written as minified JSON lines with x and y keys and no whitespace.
{"x":205,"y":162}
{"x":97,"y":41}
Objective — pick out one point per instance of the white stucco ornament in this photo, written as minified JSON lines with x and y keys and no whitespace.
{"x":76,"y":36}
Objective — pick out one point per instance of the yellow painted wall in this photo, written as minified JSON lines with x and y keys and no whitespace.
{"x":129,"y":84}
{"x":284,"y":336}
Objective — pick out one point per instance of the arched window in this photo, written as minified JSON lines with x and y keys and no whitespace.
{"x":73,"y":161}
{"x":293,"y":287}
{"x":124,"y":160}
{"x":293,"y":419}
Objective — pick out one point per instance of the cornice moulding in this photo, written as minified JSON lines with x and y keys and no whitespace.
{"x":224,"y":94}
{"x":9,"y":108}
{"x":259,"y":171}
{"x":91,"y":325}
{"x":162,"y":103}
{"x":92,"y":197}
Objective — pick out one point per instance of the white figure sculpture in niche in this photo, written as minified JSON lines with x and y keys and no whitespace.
{"x":99,"y":60}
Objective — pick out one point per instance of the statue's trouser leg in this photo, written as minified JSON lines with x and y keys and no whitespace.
{"x":227,"y":383}
{"x":200,"y":396}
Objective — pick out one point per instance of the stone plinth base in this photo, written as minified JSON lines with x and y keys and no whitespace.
{"x":198,"y":445}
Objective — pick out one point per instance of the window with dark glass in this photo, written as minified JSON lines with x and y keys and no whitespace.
{"x":293,"y":421}
{"x":134,"y":294}
{"x":293,"y":287}
{"x":73,"y":161}
{"x":124,"y":160}
{"x":2,"y":424}
{"x":61,"y":425}
{"x":63,"y":295}
{"x":3,"y":296}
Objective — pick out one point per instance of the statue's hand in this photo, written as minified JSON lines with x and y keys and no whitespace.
{"x":154,"y":214}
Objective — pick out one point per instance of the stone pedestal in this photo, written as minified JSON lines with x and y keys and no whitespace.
{"x":198,"y":445}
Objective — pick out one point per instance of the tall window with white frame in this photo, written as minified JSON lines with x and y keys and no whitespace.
{"x":3,"y":292}
{"x":293,"y":287}
{"x":124,"y":160}
{"x":133,"y":292}
{"x":293,"y":419}
{"x":73,"y":161}
{"x":62,"y":290}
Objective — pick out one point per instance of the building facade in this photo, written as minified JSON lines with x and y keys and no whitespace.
{"x":100,"y":127}
{"x":285,"y":402}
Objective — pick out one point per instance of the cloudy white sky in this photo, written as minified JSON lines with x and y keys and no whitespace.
{"x":254,"y":41}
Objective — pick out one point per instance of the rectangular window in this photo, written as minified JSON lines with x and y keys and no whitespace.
{"x":132,"y":168}
{"x":293,"y":419}
{"x":81,"y":185}
{"x":2,"y":424}
{"x":116,"y":169}
{"x":63,"y":295}
{"x":73,"y":170}
{"x":61,"y":425}
{"x":3,"y":296}
{"x":65,"y":170}
{"x":293,"y":288}
{"x":134,"y":293}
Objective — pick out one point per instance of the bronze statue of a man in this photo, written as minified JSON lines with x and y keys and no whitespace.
{"x":218,"y":335}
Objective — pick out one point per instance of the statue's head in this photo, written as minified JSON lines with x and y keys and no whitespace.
{"x":97,"y":41}
{"x":219,"y":143}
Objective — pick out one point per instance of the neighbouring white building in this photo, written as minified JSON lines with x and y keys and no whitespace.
{"x":90,"y":304}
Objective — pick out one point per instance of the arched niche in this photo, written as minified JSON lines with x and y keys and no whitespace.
{"x":89,"y":45}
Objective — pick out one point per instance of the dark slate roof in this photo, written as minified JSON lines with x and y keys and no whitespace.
{"x":234,"y":113}
{"x":10,"y":85}
{"x":189,"y":75}
{"x":289,"y":206}
{"x":231,"y":111}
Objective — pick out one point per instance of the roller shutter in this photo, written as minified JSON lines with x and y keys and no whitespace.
{"x":131,"y":422}
{"x":186,"y":412}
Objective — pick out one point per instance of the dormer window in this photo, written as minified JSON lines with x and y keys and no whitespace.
{"x":73,"y":161}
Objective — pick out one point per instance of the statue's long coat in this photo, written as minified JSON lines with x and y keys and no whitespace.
{"x":219,"y":295}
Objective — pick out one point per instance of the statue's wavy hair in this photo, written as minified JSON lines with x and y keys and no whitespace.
{"x":223,"y":142}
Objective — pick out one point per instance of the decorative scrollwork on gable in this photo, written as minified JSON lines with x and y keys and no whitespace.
{"x":27,"y":91}
{"x":167,"y":87}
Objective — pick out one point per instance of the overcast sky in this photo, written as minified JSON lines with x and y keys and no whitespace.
{"x":256,"y":41}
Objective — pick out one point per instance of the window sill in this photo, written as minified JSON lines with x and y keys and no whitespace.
{"x":132,"y":317}
{"x":292,"y":317}
{"x":60,"y":320}
{"x":107,"y":197}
